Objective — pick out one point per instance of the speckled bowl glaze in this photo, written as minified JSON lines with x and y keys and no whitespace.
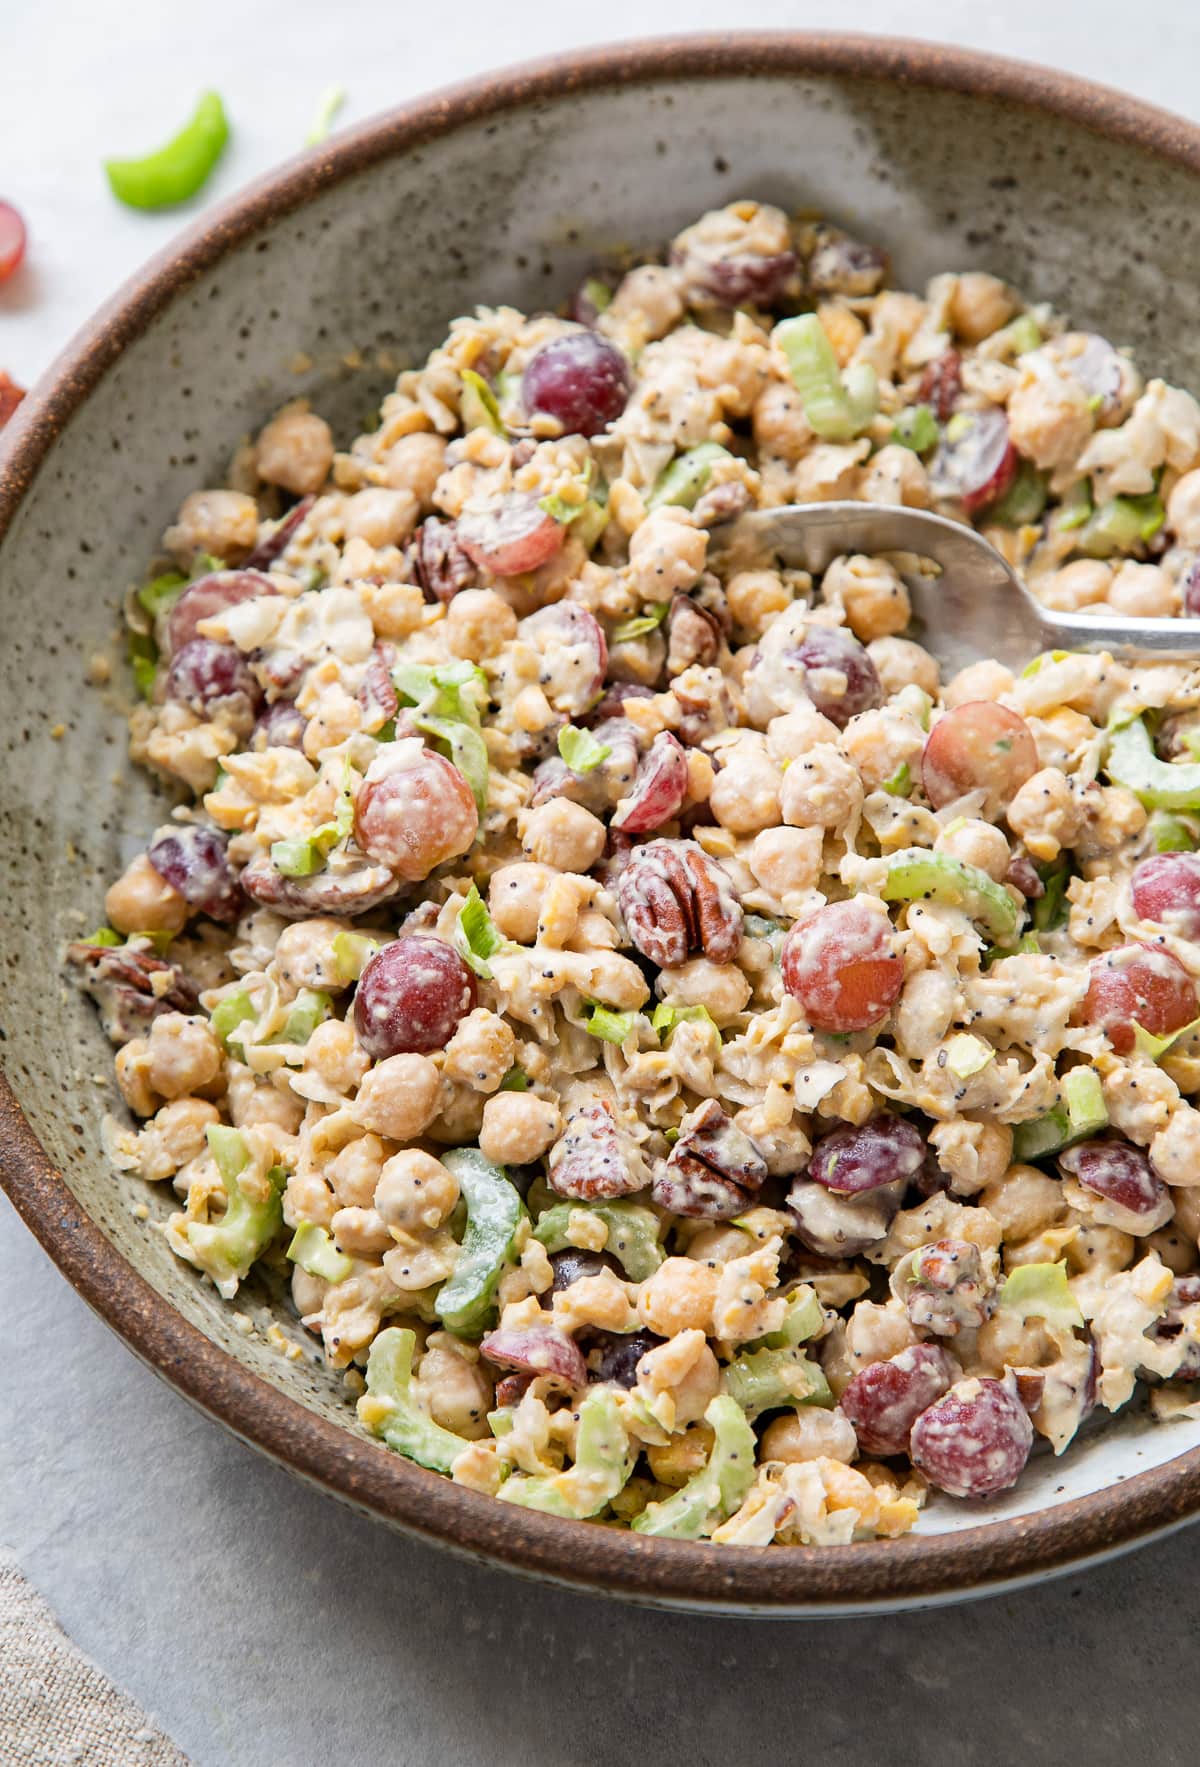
{"x":507,"y":190}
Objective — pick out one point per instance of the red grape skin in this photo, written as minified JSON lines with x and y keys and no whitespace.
{"x":1166,"y":889}
{"x":974,"y":1440}
{"x":515,"y":537}
{"x":193,"y":860}
{"x":411,"y":997}
{"x":1138,"y":985}
{"x":884,"y":1400}
{"x":978,"y":464}
{"x":581,"y":379}
{"x":539,"y":1350}
{"x":1119,"y":1173}
{"x":211,"y":595}
{"x":212,"y":678}
{"x":574,"y":653}
{"x":851,"y":1160}
{"x":841,"y":964}
{"x":978,"y":746}
{"x":660,"y":788}
{"x":13,"y":240}
{"x":829,"y":649}
{"x":281,"y":726}
{"x":413,"y":811}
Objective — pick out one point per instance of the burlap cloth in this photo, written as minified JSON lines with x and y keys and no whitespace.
{"x":56,"y":1708}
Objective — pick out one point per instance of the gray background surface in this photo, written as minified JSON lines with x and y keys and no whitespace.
{"x":262,"y":1625}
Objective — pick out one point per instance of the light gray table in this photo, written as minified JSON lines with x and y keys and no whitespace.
{"x":262,"y":1625}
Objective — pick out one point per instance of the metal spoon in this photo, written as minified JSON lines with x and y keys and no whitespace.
{"x":975,"y":606}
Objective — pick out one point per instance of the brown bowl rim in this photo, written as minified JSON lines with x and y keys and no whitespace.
{"x":909,"y":1571}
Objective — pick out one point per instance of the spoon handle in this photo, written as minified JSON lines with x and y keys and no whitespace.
{"x":1127,"y":639}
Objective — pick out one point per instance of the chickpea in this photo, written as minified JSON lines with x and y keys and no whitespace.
{"x":796,"y":732}
{"x":143,"y":902}
{"x":334,"y":1053}
{"x":979,"y":305}
{"x":1099,"y":1248}
{"x":182,"y":1055}
{"x":821,"y":789}
{"x":874,"y":1332}
{"x":1143,"y":590}
{"x":481,"y":1051}
{"x":982,"y":680}
{"x":515,"y":899}
{"x":879,"y":742}
{"x":870,"y":590}
{"x":745,"y":794}
{"x":308,"y":1292}
{"x":780,"y":426}
{"x":354,"y":1172}
{"x":381,"y":517}
{"x":518,"y":1127}
{"x":924,"y":1011}
{"x":719,"y":1245}
{"x":898,"y":476}
{"x":1024,"y":1201}
{"x":638,"y":661}
{"x":810,"y":1434}
{"x":900,"y":663}
{"x":1046,"y":814}
{"x":454,"y":1387}
{"x":646,"y":303}
{"x":415,"y":1193}
{"x":478,"y":623}
{"x":399,"y":1097}
{"x":1183,"y":509}
{"x":415,"y":463}
{"x":666,"y":554}
{"x":976,"y":843}
{"x":754,"y":598}
{"x":295,"y":450}
{"x":1049,"y":419}
{"x":130,"y":1062}
{"x":304,"y":956}
{"x":223,"y":523}
{"x":678,"y":1297}
{"x":721,"y":987}
{"x":973,"y":1155}
{"x":362,"y":1233}
{"x":1175,"y":1150}
{"x":563,"y":835}
{"x":787,"y":860}
{"x":1080,"y":584}
{"x":177,"y":1134}
{"x":260,"y":1104}
{"x":677,"y":1459}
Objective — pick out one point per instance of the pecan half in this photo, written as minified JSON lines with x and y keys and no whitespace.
{"x":376,"y":693}
{"x":714,"y":1170}
{"x":127,"y":986}
{"x":442,"y":566}
{"x":675,"y":899}
{"x":593,"y":1159}
{"x":693,"y":636}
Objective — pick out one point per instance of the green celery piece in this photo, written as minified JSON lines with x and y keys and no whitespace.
{"x":603,"y":1463}
{"x":328,"y":106}
{"x":632,"y":1233}
{"x":315,"y":1252}
{"x":1075,"y":509}
{"x":104,"y":935}
{"x":685,"y":479}
{"x":712,"y":1494}
{"x":580,"y":749}
{"x":598,"y":293}
{"x":1039,"y":1291}
{"x":304,"y":854}
{"x":610,"y":1026}
{"x":406,"y":1429}
{"x":178,"y":170}
{"x":667,"y":1017}
{"x":1024,"y":334}
{"x":1082,"y":1112}
{"x":837,"y":407}
{"x":803,"y":1320}
{"x":1122,"y":524}
{"x":477,"y":936}
{"x":1154,"y":1048}
{"x":516,"y":1080}
{"x":589,"y":522}
{"x":467,"y":750}
{"x":1161,"y":785}
{"x":916,"y":428}
{"x":227,"y":1248}
{"x":143,"y":660}
{"x":900,"y":784}
{"x":441,"y":692}
{"x":477,"y":407}
{"x":967,"y":1055}
{"x":1050,"y":909}
{"x":1170,"y":834}
{"x":309,"y":1009}
{"x":641,"y":625}
{"x":916,"y":874}
{"x":765,"y":1379}
{"x":351,"y":954}
{"x":232,"y":1011}
{"x":1024,"y":501}
{"x":465,"y":1301}
{"x":162,"y":593}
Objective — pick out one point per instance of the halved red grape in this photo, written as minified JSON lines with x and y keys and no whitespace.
{"x":842,"y":965}
{"x":281,"y":726}
{"x":213,"y":680}
{"x":621,"y":1353}
{"x":885,"y":1399}
{"x":1139,"y":985}
{"x":574,"y":653}
{"x":843,"y":265}
{"x":349,"y":890}
{"x":941,"y":384}
{"x":194,"y":860}
{"x":12,"y":240}
{"x":10,"y":397}
{"x":574,"y":1264}
{"x":1122,"y":1175}
{"x":581,"y":379}
{"x":411,"y":997}
{"x":976,"y":460}
{"x":842,"y":1226}
{"x":211,"y":595}
{"x":1166,"y":889}
{"x":851,"y":1160}
{"x":839,"y":676}
{"x":413,"y":811}
{"x":511,"y":537}
{"x":980,"y":746}
{"x":1185,"y":1292}
{"x":614,"y":699}
{"x":659,"y":790}
{"x":538,"y":1350}
{"x":974,"y":1440}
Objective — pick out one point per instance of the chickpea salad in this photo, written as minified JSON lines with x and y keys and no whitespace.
{"x":698,"y":1068}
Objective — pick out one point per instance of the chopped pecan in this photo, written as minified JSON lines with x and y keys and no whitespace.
{"x":131,"y":986}
{"x":941,"y":384}
{"x":721,"y":503}
{"x":1022,"y":874}
{"x":693,"y":636}
{"x":593,"y":1159}
{"x":376,"y":693}
{"x":675,"y":899}
{"x":705,"y":703}
{"x":714,"y":1170}
{"x":840,"y":264}
{"x":442,"y":566}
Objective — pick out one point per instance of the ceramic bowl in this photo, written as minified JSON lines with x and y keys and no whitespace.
{"x":507,"y":190}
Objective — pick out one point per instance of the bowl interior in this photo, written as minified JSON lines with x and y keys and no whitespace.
{"x":326,"y":299}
